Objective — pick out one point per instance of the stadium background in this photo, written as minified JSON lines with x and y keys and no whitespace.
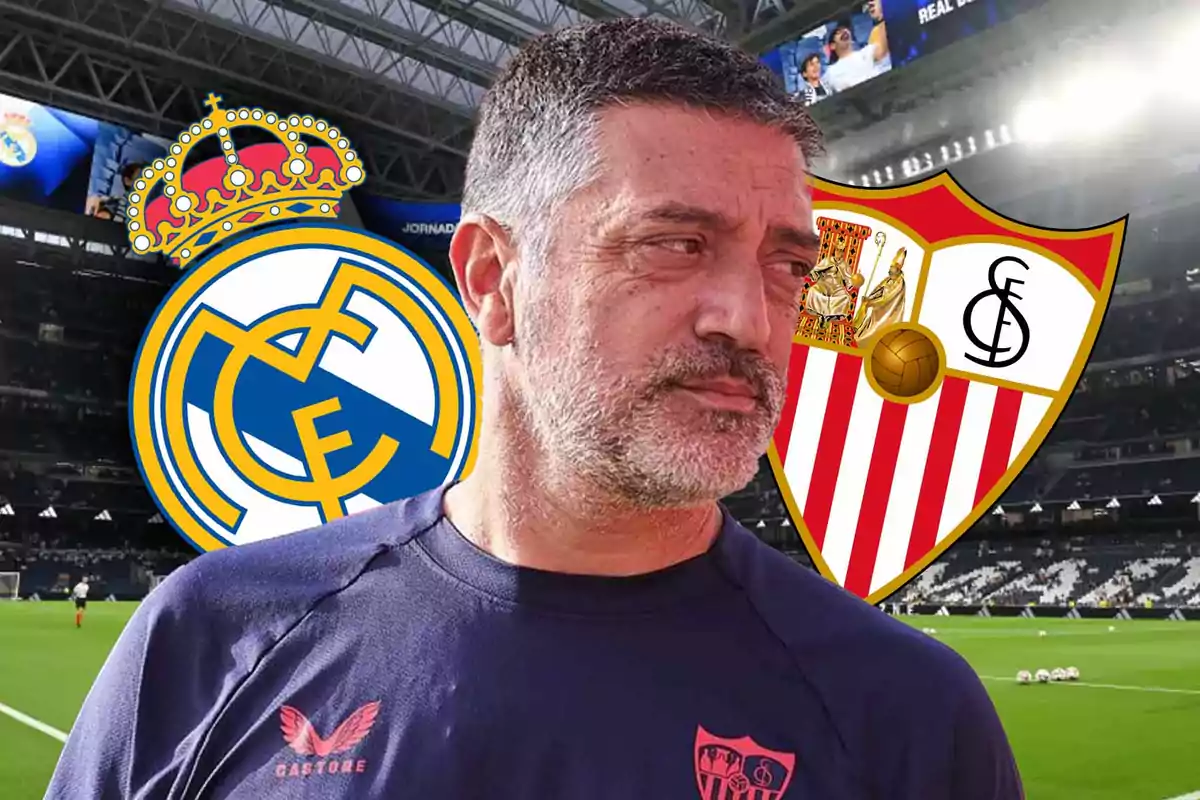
{"x":1063,"y":113}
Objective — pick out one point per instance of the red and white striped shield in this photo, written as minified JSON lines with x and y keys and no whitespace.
{"x":937,"y":344}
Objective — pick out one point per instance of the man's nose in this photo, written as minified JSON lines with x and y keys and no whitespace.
{"x":733,"y":304}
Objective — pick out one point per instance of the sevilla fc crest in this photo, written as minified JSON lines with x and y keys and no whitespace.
{"x":739,"y":769}
{"x":937,"y":344}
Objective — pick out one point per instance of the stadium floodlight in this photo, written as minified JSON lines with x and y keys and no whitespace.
{"x":1083,"y":101}
{"x":10,"y":585}
{"x":1177,"y":64}
{"x":1036,"y":122}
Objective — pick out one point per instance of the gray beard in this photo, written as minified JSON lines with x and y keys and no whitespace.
{"x":628,"y":443}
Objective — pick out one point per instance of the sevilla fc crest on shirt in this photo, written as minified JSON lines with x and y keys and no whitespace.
{"x":740,"y":769}
{"x":937,"y":344}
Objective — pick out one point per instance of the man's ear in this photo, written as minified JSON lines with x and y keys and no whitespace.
{"x":483,"y":256}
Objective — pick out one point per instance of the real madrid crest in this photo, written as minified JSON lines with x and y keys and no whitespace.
{"x":298,"y":372}
{"x":18,"y":145}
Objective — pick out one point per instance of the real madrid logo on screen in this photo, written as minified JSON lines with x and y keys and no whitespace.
{"x":297,"y":373}
{"x":18,"y":145}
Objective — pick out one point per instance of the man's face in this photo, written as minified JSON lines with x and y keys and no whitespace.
{"x":843,"y":42}
{"x":656,"y":337}
{"x":812,"y":69}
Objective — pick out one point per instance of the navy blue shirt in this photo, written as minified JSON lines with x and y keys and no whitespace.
{"x":385,"y":656}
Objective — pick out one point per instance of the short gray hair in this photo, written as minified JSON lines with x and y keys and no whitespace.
{"x":535,"y":140}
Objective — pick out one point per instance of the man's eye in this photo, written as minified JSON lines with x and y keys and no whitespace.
{"x":797,"y":269}
{"x":688,"y":247}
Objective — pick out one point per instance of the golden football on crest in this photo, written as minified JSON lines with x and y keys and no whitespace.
{"x":904,"y":362}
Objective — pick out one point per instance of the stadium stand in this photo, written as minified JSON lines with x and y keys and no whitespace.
{"x":71,"y":500}
{"x":1057,"y":572}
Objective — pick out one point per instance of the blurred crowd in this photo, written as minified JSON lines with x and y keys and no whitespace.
{"x":1167,"y":325}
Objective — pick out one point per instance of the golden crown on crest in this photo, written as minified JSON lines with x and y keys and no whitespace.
{"x":303,"y":173}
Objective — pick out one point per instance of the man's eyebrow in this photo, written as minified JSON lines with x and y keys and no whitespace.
{"x":684,"y":213}
{"x":796,"y":237}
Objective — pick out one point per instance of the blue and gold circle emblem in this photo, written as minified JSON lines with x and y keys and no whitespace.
{"x":299,"y":375}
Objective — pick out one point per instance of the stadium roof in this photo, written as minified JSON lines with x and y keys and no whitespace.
{"x":401,"y":77}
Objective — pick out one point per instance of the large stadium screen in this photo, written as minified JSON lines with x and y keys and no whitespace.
{"x":409,"y":224}
{"x":845,"y":51}
{"x":424,"y":229}
{"x":62,"y":160}
{"x":45,"y":153}
{"x":870,"y":38}
{"x":66,"y":161}
{"x":918,"y":27}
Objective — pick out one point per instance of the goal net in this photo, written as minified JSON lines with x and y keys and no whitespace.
{"x":10,"y":585}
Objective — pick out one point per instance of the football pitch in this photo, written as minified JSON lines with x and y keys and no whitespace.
{"x":1129,"y":729}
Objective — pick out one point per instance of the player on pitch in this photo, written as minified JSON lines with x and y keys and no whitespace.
{"x":579,"y":618}
{"x":80,"y":594}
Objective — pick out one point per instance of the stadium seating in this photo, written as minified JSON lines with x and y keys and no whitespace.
{"x":1140,"y":478}
{"x":1169,"y":324}
{"x":1056,"y":572}
{"x":1183,"y":584}
{"x":122,"y":574}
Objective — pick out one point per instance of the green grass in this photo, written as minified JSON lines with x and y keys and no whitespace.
{"x":47,"y":666}
{"x":1072,"y":741}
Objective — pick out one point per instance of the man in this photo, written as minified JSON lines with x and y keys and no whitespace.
{"x":812,"y":86}
{"x":847,"y":66}
{"x":80,"y":593}
{"x":106,"y":207}
{"x":579,"y":618}
{"x":878,"y":36}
